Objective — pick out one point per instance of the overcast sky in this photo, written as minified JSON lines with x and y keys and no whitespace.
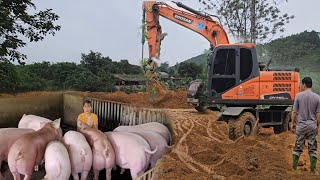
{"x":112,"y":27}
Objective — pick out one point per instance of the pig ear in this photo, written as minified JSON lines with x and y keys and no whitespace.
{"x":42,"y":124}
{"x":56,"y":123}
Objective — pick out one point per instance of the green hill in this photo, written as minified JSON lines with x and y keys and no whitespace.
{"x":300,"y":50}
{"x":199,"y":60}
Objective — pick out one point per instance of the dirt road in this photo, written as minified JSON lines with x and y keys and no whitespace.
{"x":202,"y":150}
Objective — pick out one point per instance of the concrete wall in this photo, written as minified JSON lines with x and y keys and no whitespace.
{"x":72,"y":107}
{"x":12,"y":109}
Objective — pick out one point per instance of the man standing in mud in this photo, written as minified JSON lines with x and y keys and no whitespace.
{"x":305,"y":122}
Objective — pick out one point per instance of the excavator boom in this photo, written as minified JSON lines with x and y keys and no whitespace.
{"x":184,"y":16}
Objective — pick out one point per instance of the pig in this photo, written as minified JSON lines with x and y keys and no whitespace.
{"x":152,"y":126}
{"x":29,"y":150}
{"x":132,"y":152}
{"x":80,"y":154}
{"x":33,"y":122}
{"x":57,"y":162}
{"x":7,"y":137}
{"x":103,"y":155}
{"x":155,"y":140}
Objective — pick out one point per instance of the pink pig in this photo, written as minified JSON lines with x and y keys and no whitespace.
{"x":155,"y":140}
{"x":132,"y":152}
{"x":29,"y":150}
{"x":102,"y":151}
{"x":57,"y":162}
{"x":152,"y":126}
{"x":33,"y":122}
{"x":80,"y":154}
{"x":7,"y":137}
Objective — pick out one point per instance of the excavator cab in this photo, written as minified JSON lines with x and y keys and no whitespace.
{"x":229,"y":66}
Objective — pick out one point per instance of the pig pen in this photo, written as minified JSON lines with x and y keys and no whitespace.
{"x":67,"y":107}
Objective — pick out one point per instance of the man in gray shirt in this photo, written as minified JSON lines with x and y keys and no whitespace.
{"x":306,"y":121}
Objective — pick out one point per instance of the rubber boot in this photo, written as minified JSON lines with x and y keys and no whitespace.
{"x":313,"y":166}
{"x":295,"y":162}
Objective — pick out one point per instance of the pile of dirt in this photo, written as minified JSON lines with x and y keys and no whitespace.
{"x":28,"y":94}
{"x":170,"y":100}
{"x":202,"y":150}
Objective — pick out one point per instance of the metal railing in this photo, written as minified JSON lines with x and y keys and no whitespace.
{"x":112,"y":114}
{"x":147,"y":175}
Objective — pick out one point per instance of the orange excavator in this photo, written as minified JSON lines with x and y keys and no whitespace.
{"x":247,"y":94}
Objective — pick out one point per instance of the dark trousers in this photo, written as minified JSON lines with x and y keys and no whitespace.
{"x":311,"y":137}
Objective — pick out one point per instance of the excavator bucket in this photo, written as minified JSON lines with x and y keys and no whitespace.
{"x":154,"y":88}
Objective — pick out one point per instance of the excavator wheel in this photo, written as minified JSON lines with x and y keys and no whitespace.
{"x":200,"y":109}
{"x":243,"y":125}
{"x":286,"y":124}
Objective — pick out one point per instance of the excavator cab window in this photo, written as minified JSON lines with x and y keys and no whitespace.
{"x":245,"y":63}
{"x":223,"y":74}
{"x":225,"y":62}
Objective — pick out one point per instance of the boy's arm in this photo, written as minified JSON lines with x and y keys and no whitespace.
{"x":295,"y":112}
{"x":79,"y":123}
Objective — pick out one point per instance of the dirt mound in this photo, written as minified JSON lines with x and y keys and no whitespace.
{"x":28,"y":94}
{"x":202,"y":150}
{"x":170,"y":100}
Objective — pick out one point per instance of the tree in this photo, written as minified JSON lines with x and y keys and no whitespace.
{"x":164,"y":67}
{"x":93,"y":61}
{"x":30,"y":81}
{"x":289,"y":50}
{"x":189,"y":70}
{"x":250,"y":19}
{"x":8,"y":77}
{"x":16,"y":20}
{"x":83,"y":80}
{"x":60,"y":72}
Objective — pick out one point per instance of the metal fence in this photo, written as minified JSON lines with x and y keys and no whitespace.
{"x":147,"y":175}
{"x":112,"y":114}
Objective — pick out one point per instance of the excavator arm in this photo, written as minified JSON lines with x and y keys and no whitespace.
{"x":184,"y":16}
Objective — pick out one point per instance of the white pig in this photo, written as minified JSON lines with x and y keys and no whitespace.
{"x":57,"y":162}
{"x":80,"y":154}
{"x":155,"y":140}
{"x":103,"y":155}
{"x":152,"y":126}
{"x":132,"y":152}
{"x":34,"y":122}
{"x":7,"y":137}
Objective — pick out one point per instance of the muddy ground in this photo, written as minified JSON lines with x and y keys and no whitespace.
{"x":203,"y":151}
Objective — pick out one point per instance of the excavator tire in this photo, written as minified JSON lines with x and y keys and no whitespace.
{"x":285,"y":124}
{"x":243,"y":125}
{"x":200,"y":109}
